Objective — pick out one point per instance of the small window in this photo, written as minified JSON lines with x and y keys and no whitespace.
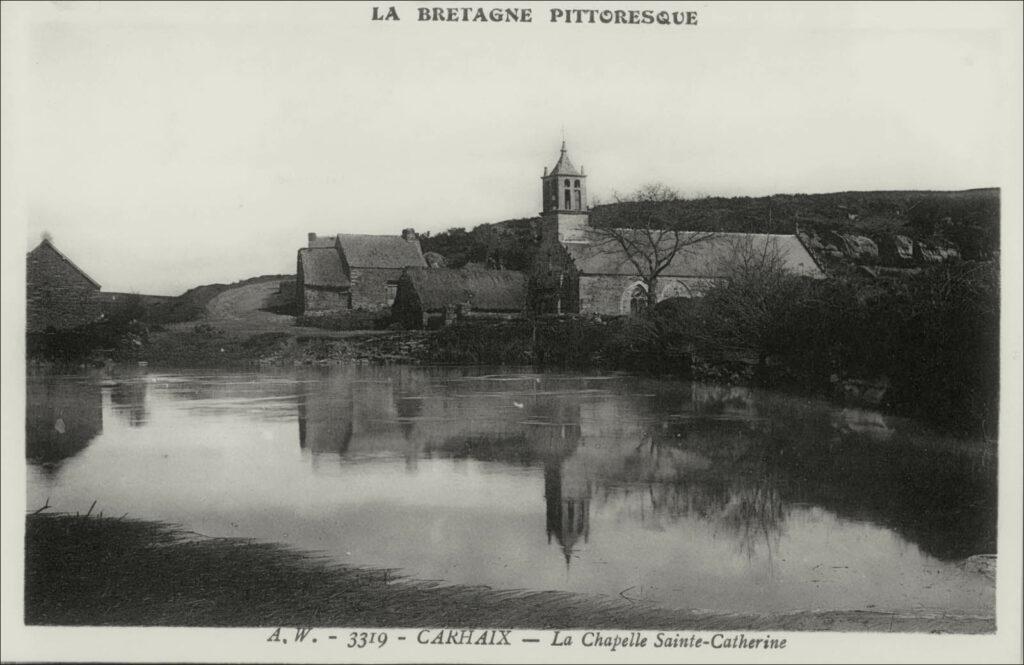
{"x":577,"y":183}
{"x":568,"y":199}
{"x":567,"y":183}
{"x":392,"y":292}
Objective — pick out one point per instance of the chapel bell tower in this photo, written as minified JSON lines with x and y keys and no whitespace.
{"x":564,"y":196}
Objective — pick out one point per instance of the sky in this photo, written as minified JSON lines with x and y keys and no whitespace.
{"x":167,"y":146}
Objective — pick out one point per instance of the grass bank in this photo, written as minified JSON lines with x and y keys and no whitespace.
{"x":102,"y":571}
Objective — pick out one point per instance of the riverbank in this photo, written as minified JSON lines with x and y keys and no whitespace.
{"x":103,"y":571}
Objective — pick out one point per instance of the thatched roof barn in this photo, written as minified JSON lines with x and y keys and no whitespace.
{"x":321,"y":267}
{"x":428,"y":297}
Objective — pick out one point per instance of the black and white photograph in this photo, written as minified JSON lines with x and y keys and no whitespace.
{"x":530,"y":332}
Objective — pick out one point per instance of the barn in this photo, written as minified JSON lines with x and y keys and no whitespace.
{"x":59,"y":294}
{"x":345,"y":272}
{"x":321,"y":283}
{"x":434,"y":297}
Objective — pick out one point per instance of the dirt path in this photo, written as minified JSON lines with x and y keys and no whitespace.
{"x":238,"y":310}
{"x":238,"y":313}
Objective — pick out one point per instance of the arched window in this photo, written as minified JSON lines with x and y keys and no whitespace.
{"x":638,"y":301}
{"x":634,"y":299}
{"x":576,"y":184}
{"x":568,"y":199}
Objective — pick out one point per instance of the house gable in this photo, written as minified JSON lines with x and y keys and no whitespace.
{"x":59,"y":294}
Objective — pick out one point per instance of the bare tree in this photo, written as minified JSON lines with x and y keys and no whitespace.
{"x":747,"y":300}
{"x":650,"y":234}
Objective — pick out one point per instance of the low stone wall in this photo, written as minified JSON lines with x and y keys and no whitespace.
{"x":346,"y":320}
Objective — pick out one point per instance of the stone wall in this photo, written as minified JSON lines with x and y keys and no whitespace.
{"x":369,"y":287}
{"x":58,"y":296}
{"x":602,"y":294}
{"x":317,"y":300}
{"x":608,"y":294}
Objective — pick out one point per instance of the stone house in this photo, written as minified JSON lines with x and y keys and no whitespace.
{"x":321,"y":283}
{"x":59,"y":294}
{"x":349,"y":272}
{"x":433,"y":297}
{"x":577,"y":269}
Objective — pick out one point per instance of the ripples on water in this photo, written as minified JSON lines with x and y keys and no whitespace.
{"x":685,"y":495}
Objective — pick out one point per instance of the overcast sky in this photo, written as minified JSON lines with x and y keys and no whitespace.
{"x":166,"y":147}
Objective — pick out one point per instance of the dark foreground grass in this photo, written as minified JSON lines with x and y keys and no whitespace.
{"x":85,"y":570}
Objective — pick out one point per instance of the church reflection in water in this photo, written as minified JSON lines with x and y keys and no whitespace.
{"x":567,"y":504}
{"x":659,"y":454}
{"x":721,"y":455}
{"x":353,"y":421}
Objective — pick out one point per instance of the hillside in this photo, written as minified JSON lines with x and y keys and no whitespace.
{"x":191,"y":305}
{"x":906,"y":228}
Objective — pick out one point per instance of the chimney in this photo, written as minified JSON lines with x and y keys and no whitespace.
{"x":408,"y":235}
{"x":312,"y":238}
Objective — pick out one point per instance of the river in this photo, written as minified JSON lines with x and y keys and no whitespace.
{"x":683,"y":495}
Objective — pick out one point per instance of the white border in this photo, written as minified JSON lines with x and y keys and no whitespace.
{"x":237,"y":645}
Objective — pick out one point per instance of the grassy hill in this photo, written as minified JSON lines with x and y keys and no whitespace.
{"x":191,"y":305}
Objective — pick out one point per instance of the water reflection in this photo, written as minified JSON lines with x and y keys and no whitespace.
{"x":540,"y":481}
{"x":128,"y":398}
{"x":325,"y":418}
{"x":729,"y":456}
{"x":567,"y":507}
{"x":62,"y":416}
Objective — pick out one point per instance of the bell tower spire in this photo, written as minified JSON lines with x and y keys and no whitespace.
{"x":564,"y":186}
{"x":564,"y":199}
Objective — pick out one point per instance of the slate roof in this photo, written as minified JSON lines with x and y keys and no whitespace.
{"x":321,"y":266}
{"x":564,"y":165}
{"x":708,"y":257}
{"x":484,"y":290}
{"x":369,"y":251}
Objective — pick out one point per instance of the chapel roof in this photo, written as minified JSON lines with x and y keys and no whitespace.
{"x":709,"y":256}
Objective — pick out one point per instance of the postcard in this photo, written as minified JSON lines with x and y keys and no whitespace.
{"x":529,"y":332}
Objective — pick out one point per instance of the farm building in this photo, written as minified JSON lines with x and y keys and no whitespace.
{"x":580,"y":269}
{"x":321,"y":283}
{"x":432,"y":297}
{"x":347,"y":272}
{"x":60,"y":295}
